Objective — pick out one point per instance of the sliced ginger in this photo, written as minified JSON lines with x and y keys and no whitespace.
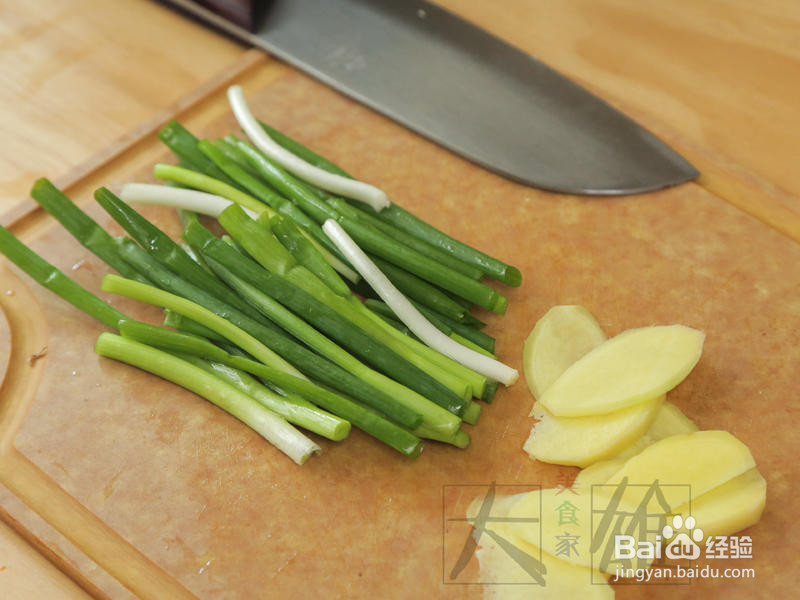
{"x":669,"y":421}
{"x":635,"y":366}
{"x":600,"y":472}
{"x":562,"y":336}
{"x":582,"y":441}
{"x":703,"y":459}
{"x":601,"y":406}
{"x":730,"y":507}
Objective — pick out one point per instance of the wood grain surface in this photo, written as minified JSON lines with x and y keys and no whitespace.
{"x":717,"y":79}
{"x":227,"y":516}
{"x":78,"y":75}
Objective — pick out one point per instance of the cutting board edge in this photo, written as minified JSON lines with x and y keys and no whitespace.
{"x":28,"y":326}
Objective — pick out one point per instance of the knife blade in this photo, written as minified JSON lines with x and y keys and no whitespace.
{"x":467,"y":90}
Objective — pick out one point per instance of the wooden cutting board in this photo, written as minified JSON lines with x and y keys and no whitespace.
{"x":101,"y":449}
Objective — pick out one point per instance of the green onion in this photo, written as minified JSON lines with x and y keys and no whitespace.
{"x":82,"y":227}
{"x":361,"y":417}
{"x":396,"y":324}
{"x":404,"y":220}
{"x":151,"y":295}
{"x":411,"y":316}
{"x":209,"y":185}
{"x":54,"y":280}
{"x":420,"y":290}
{"x":472,"y":413}
{"x":315,"y":312}
{"x":405,"y":406}
{"x":183,"y":199}
{"x":251,"y":159}
{"x":339,"y":185}
{"x":291,"y":407}
{"x":303,"y":152}
{"x":489,"y":392}
{"x":161,"y":247}
{"x":265,"y":422}
{"x":444,"y":370}
{"x":181,"y":323}
{"x":409,"y":240}
{"x":458,"y":331}
{"x":220,"y":154}
{"x":474,"y":381}
{"x":306,"y":253}
{"x":264,"y":343}
{"x":228,"y":158}
{"x":213,"y":197}
{"x":472,"y":321}
{"x":184,"y":145}
{"x":258,"y":240}
{"x":375,"y":242}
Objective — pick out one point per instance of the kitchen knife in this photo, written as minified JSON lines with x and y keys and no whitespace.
{"x":467,"y":90}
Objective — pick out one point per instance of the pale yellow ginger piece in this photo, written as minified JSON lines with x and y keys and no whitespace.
{"x":562,"y":336}
{"x":582,"y":441}
{"x":507,"y":580}
{"x":598,"y":473}
{"x":730,"y":507}
{"x":633,"y":367}
{"x":669,"y":421}
{"x":702,"y":459}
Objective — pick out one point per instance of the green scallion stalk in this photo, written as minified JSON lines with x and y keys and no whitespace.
{"x":303,"y":152}
{"x":317,"y":313}
{"x":204,"y":183}
{"x":472,"y":413}
{"x":372,"y":241}
{"x":181,"y":323}
{"x":461,"y":333}
{"x":184,"y":145}
{"x":448,"y":372}
{"x":409,"y":240}
{"x":472,"y":321}
{"x":193,"y":255}
{"x":161,"y":247}
{"x":421,"y":291}
{"x":402,"y":219}
{"x":361,"y":417}
{"x":262,"y":420}
{"x":267,"y":344}
{"x":152,"y":295}
{"x":396,"y":324}
{"x":54,"y":280}
{"x":490,"y":391}
{"x":305,"y":253}
{"x":260,"y":243}
{"x":82,"y":227}
{"x":399,"y":403}
{"x":291,"y":407}
{"x":381,"y":308}
{"x":251,"y":184}
{"x":475,"y":381}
